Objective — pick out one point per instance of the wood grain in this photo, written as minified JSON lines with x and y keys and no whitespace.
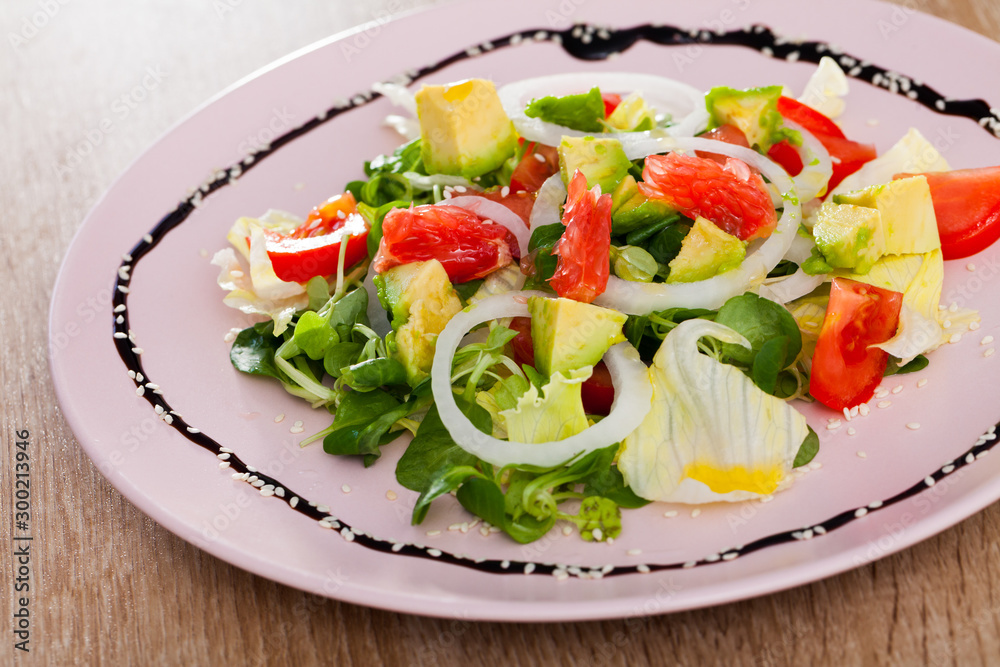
{"x":112,"y":587}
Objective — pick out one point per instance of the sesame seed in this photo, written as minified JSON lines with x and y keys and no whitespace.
{"x":929,"y":481}
{"x":860,"y":512}
{"x":875,"y":505}
{"x":973,"y":326}
{"x":139,"y":391}
{"x":280,"y":418}
{"x":913,"y":426}
{"x":434,"y":553}
{"x":948,"y":469}
{"x":695,"y":512}
{"x":119,"y":335}
{"x":847,"y":416}
{"x":298,"y":423}
{"x":833,"y":426}
{"x":567,"y":530}
{"x":433,"y":533}
{"x":137,"y":350}
{"x":280,"y":492}
{"x":598,"y":534}
{"x":986,"y":340}
{"x":670,"y":514}
{"x":529,"y":568}
{"x":690,"y":564}
{"x":862,"y":455}
{"x":455,"y":527}
{"x":922,"y":382}
{"x":398,"y":547}
{"x":953,"y":307}
{"x":345,"y":488}
{"x":881,"y":393}
{"x":854,"y":411}
{"x":120,"y":320}
{"x":884,"y":404}
{"x":712,"y":558}
{"x":970,"y":266}
{"x":251,"y":469}
{"x":267,"y":493}
{"x":504,"y":191}
{"x":643,"y":569}
{"x":560,"y":574}
{"x":634,"y":552}
{"x":391,"y":495}
{"x":851,"y":431}
{"x":989,"y":352}
{"x":224,"y":464}
{"x":223,"y":456}
{"x":293,"y":502}
{"x":148,"y":238}
{"x":349,"y":537}
{"x":863,"y":409}
{"x":296,"y":430}
{"x":192,"y":429}
{"x":819,"y":530}
{"x":123,"y":289}
{"x":323,"y":508}
{"x":258,"y":483}
{"x":954,"y":338}
{"x":946,"y":324}
{"x":505,"y":564}
{"x":460,"y":188}
{"x":898,"y":388}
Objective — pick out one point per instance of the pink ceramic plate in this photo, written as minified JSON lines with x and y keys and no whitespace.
{"x":911,"y":485}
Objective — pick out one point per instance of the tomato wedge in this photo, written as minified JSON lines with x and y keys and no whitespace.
{"x":733,"y":196}
{"x":847,"y":156}
{"x":313,"y":248}
{"x":846,"y":369}
{"x":466,"y":246}
{"x":597,"y":391}
{"x":967,"y":206}
{"x":611,"y":102}
{"x":539,"y":162}
{"x":584,"y":266}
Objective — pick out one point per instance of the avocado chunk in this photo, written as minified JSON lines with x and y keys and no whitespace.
{"x":602,"y":161}
{"x":639,"y":212}
{"x":464,"y":130}
{"x":754,"y":111}
{"x":569,"y":334}
{"x":907,"y":211}
{"x":632,"y":115}
{"x":626,"y":189}
{"x":848,"y":236}
{"x":706,"y":251}
{"x":421,"y":300}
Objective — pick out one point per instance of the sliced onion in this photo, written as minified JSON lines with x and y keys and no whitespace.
{"x":683,"y":102}
{"x":422,"y":182}
{"x":496,"y":212}
{"x":788,"y":288}
{"x":801,"y":249}
{"x":816,"y":165}
{"x":633,"y":394}
{"x":641,"y":298}
{"x":377,"y":317}
{"x":545,"y":210}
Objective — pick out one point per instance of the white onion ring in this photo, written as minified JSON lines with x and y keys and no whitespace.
{"x":545,"y":210}
{"x":635,"y":298}
{"x":788,"y":288}
{"x":683,"y":102}
{"x":633,"y":394}
{"x":495,"y":212}
{"x":813,"y":178}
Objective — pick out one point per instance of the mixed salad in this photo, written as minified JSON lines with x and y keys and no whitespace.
{"x":585,"y":293}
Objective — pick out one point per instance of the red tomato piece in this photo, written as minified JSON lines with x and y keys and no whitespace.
{"x":809,"y":118}
{"x":583,"y":267}
{"x":597,"y":391}
{"x":611,"y":102}
{"x":733,"y":196}
{"x":847,"y":156}
{"x":466,"y":246}
{"x":539,"y":162}
{"x":846,"y":369}
{"x":785,"y":154}
{"x":313,"y":248}
{"x":967,"y":207}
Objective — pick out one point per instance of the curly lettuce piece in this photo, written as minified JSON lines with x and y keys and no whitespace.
{"x":912,"y":154}
{"x":234,"y":279}
{"x":711,"y":435}
{"x":826,"y":88}
{"x":556,"y":414}
{"x":277,"y":220}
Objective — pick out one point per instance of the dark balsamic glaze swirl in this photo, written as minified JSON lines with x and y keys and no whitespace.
{"x":586,"y":43}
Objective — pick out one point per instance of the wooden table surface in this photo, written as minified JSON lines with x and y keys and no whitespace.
{"x":110,"y":586}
